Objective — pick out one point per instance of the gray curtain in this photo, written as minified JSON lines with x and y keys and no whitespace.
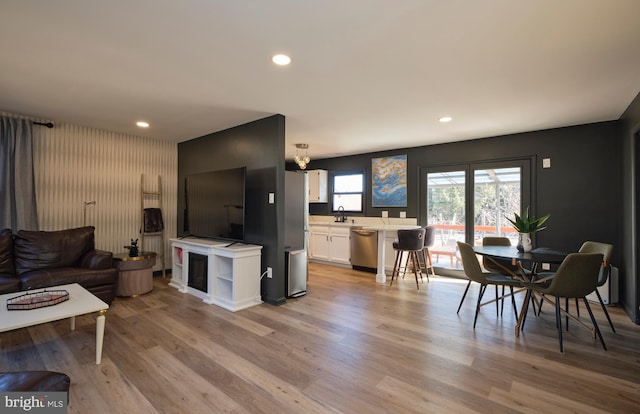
{"x":18,"y":210}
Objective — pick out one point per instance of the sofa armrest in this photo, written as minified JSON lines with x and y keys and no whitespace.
{"x":97,"y":259}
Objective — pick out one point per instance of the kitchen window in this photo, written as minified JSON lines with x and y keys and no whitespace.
{"x":348,"y":192}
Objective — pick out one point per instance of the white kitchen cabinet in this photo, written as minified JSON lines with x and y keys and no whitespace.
{"x":318,"y":185}
{"x":339,"y":245}
{"x":319,"y":242}
{"x":330,"y":244}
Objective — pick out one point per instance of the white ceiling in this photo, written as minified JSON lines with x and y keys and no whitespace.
{"x":366,"y":75}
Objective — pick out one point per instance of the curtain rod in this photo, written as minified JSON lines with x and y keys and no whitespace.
{"x":47,"y":124}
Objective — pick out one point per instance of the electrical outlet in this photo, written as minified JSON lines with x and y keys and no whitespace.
{"x":545,"y":266}
{"x":385,"y":214}
{"x":269,"y":273}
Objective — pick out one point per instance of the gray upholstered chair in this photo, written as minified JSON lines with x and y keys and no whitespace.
{"x":497,"y":265}
{"x":410,"y":241}
{"x":605,"y":270}
{"x":474,"y":272}
{"x":490,"y":264}
{"x":576,"y":277}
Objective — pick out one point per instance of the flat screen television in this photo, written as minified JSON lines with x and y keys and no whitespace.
{"x":215,"y":204}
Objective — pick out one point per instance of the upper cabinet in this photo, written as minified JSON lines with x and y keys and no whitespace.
{"x":318,"y":180}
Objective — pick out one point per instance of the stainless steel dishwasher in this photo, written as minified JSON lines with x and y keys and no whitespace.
{"x":364,"y":249}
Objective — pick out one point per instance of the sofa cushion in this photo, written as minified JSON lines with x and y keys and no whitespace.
{"x":35,"y":250}
{"x":87,"y":278}
{"x":9,"y":284}
{"x":6,"y":253}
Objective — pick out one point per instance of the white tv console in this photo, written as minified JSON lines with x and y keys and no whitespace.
{"x":233,"y":271}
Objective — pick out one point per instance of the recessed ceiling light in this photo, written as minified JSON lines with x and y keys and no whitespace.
{"x":142,"y":124}
{"x":445,"y":119}
{"x":281,"y":60}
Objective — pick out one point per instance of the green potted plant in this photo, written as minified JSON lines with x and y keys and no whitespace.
{"x":526,"y":225}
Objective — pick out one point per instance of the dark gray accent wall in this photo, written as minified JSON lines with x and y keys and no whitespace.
{"x":258,"y":146}
{"x":630,"y":285}
{"x":582,"y":190}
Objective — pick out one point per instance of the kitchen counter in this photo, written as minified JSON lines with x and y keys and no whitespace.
{"x":333,"y":224}
{"x":381,"y":276}
{"x":325,"y":248}
{"x":390,"y":227}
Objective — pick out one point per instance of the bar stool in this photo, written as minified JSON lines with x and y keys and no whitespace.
{"x":429,"y":239}
{"x":411,"y":242}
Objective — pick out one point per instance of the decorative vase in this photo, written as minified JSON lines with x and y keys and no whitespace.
{"x":524,"y":242}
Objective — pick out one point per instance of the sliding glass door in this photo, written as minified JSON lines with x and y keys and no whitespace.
{"x":472,"y":201}
{"x":446,"y":211}
{"x":497,"y":194}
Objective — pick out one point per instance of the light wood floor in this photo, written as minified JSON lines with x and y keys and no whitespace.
{"x":349,"y":346}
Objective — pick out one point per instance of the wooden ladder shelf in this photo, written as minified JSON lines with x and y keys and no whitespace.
{"x":148,"y":196}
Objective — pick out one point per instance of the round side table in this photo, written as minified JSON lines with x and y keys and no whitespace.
{"x":135,"y":275}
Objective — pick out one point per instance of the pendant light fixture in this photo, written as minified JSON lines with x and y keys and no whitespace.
{"x":302,"y":161}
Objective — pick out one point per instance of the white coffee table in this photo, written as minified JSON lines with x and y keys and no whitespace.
{"x":80,"y":302}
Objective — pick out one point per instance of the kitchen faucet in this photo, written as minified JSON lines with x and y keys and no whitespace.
{"x":340,"y":217}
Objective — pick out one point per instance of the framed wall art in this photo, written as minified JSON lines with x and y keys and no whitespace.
{"x":389,"y":181}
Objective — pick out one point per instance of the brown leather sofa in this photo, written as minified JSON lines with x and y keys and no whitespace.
{"x":39,"y":259}
{"x":34,"y":381}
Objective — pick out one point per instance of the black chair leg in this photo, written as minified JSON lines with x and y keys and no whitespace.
{"x":513,"y":302}
{"x":606,"y":313}
{"x":497,"y":302}
{"x":502,"y":304}
{"x":480,"y":294}
{"x":566,"y":309}
{"x":533,"y":304}
{"x":528,"y":296}
{"x":559,"y":323}
{"x":463,"y":296}
{"x":595,"y":324}
{"x":540,"y":304}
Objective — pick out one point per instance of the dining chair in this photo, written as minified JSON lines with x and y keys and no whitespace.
{"x":494,"y":265}
{"x":498,"y":265}
{"x":576,"y":277}
{"x":474,"y":272}
{"x":605,"y":269}
{"x":410,"y":241}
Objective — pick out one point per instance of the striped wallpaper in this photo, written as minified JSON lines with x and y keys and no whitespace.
{"x":75,"y":164}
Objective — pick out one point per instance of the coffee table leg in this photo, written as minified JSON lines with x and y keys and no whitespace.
{"x":72,"y":320}
{"x":99,"y":335}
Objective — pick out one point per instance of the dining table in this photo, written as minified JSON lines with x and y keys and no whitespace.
{"x":382,"y":229}
{"x":541,"y":257}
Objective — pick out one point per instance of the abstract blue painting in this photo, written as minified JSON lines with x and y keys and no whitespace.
{"x":389,"y":181}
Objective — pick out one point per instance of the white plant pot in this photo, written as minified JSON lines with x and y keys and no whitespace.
{"x":524,"y":242}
